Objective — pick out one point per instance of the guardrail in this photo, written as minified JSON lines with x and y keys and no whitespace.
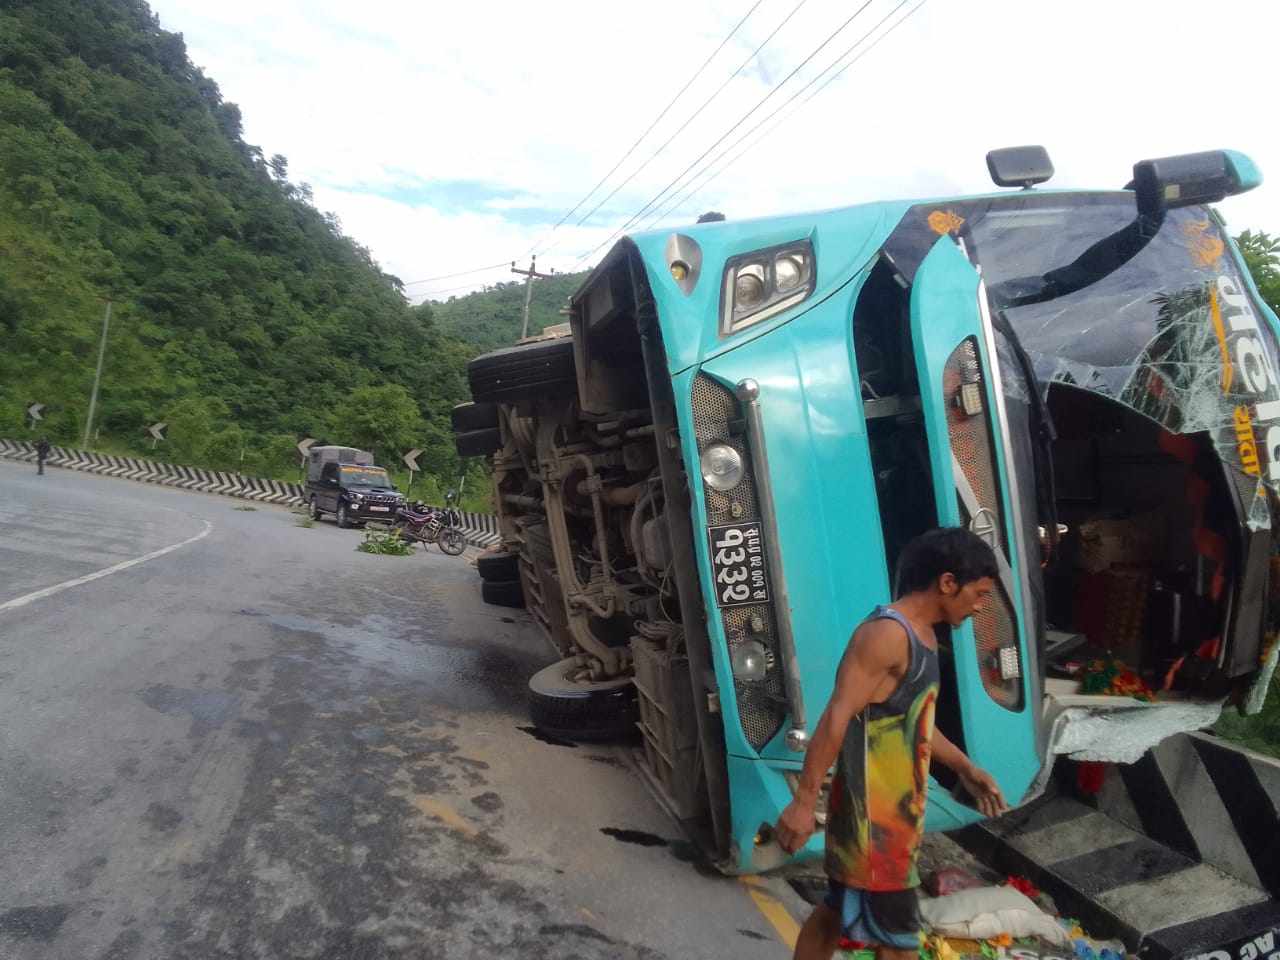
{"x":155,"y":471}
{"x":481,"y":528}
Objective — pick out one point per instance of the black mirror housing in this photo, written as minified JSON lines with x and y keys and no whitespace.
{"x":1019,"y":166}
{"x":1191,"y":178}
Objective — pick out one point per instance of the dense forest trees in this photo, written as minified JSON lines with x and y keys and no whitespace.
{"x":241,"y":314}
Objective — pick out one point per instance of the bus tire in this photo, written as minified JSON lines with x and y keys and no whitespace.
{"x":501,"y":565}
{"x":477,"y":443}
{"x":502,"y":593}
{"x":524,"y":371}
{"x":590,"y":710}
{"x":474,"y":416}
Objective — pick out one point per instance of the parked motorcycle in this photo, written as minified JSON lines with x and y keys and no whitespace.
{"x":424,"y":524}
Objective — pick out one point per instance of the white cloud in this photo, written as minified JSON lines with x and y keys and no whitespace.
{"x":373,"y":102}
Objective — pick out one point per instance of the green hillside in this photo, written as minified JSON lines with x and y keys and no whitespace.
{"x":491,"y":318}
{"x":241,"y":314}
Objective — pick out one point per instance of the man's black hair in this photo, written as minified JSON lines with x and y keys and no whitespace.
{"x":954,"y":550}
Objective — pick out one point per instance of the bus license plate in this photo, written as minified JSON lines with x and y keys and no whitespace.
{"x":737,"y":564}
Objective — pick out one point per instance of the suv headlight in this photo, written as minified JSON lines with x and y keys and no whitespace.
{"x":763,"y":283}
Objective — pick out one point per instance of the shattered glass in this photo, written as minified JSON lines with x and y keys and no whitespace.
{"x":1173,"y":333}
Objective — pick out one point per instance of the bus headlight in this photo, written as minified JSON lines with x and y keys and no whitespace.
{"x":748,"y":287}
{"x":721,"y":467}
{"x":763,"y":283}
{"x":788,"y":271}
{"x":749,"y":660}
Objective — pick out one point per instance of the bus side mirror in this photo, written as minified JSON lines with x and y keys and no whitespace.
{"x":1019,"y":166}
{"x":1191,"y":178}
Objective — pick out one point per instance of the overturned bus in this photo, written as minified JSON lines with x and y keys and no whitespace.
{"x":705,"y":482}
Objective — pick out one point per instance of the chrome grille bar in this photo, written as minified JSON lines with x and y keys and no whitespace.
{"x":748,"y":392}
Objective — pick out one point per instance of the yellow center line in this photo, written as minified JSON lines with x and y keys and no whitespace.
{"x":772,"y":909}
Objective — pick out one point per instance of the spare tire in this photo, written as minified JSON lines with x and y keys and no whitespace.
{"x":588,"y":710}
{"x":523,"y":371}
{"x":499,"y":565}
{"x":477,"y":443}
{"x":502,"y":593}
{"x":474,"y":416}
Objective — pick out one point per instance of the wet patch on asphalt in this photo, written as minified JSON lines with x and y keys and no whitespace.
{"x":488,"y":801}
{"x":127,"y":769}
{"x":350,"y":839}
{"x":208,"y":709}
{"x":82,"y":875}
{"x":547,"y":738}
{"x":161,"y":818}
{"x":34,"y":923}
{"x":123,"y":947}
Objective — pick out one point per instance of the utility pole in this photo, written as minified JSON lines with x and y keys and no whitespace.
{"x":529,"y":276}
{"x":97,"y":375}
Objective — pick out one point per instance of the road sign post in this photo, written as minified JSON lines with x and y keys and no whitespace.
{"x":411,"y":461}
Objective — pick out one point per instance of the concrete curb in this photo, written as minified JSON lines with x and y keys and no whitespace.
{"x":481,"y":529}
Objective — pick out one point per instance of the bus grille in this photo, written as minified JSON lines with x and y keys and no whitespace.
{"x":762,"y":705}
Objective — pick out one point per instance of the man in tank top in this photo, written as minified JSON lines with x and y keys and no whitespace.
{"x":878,"y":729}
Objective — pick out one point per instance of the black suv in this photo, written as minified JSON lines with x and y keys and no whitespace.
{"x":354,"y":493}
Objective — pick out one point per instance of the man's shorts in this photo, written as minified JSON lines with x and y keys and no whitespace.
{"x":887,"y":918}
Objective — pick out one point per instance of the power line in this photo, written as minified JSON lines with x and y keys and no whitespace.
{"x":466,"y":286}
{"x":763,"y":100}
{"x":658,"y":119}
{"x":745,"y":63}
{"x":796,"y":105}
{"x":460,"y":273}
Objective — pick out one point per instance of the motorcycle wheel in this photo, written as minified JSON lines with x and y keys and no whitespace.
{"x":452,"y":541}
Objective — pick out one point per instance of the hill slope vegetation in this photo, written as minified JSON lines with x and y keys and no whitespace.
{"x":241,"y":314}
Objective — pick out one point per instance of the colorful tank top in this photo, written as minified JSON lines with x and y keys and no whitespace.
{"x":875,"y":812}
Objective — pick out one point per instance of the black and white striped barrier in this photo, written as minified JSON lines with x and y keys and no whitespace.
{"x":1178,"y":854}
{"x":481,"y":528}
{"x":154,"y":471}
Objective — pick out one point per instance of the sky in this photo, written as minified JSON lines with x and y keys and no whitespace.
{"x":449,"y":137}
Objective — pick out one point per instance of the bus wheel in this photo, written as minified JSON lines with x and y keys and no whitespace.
{"x":502,"y":593}
{"x":581,"y":709}
{"x":500,"y":565}
{"x":526,"y":370}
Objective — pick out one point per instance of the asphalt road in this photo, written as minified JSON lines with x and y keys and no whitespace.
{"x":265,"y":744}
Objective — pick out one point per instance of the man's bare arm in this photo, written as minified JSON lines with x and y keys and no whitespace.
{"x":980,"y":784}
{"x":947,"y":753}
{"x":877,"y":651}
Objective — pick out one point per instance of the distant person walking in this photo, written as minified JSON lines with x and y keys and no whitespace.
{"x":42,"y":454}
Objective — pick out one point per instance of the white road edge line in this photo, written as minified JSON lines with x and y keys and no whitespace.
{"x":99,"y":574}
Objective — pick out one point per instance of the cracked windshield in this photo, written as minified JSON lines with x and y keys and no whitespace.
{"x":466,"y":491}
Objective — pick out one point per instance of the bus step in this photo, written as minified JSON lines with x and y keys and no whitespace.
{"x":1120,"y":883}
